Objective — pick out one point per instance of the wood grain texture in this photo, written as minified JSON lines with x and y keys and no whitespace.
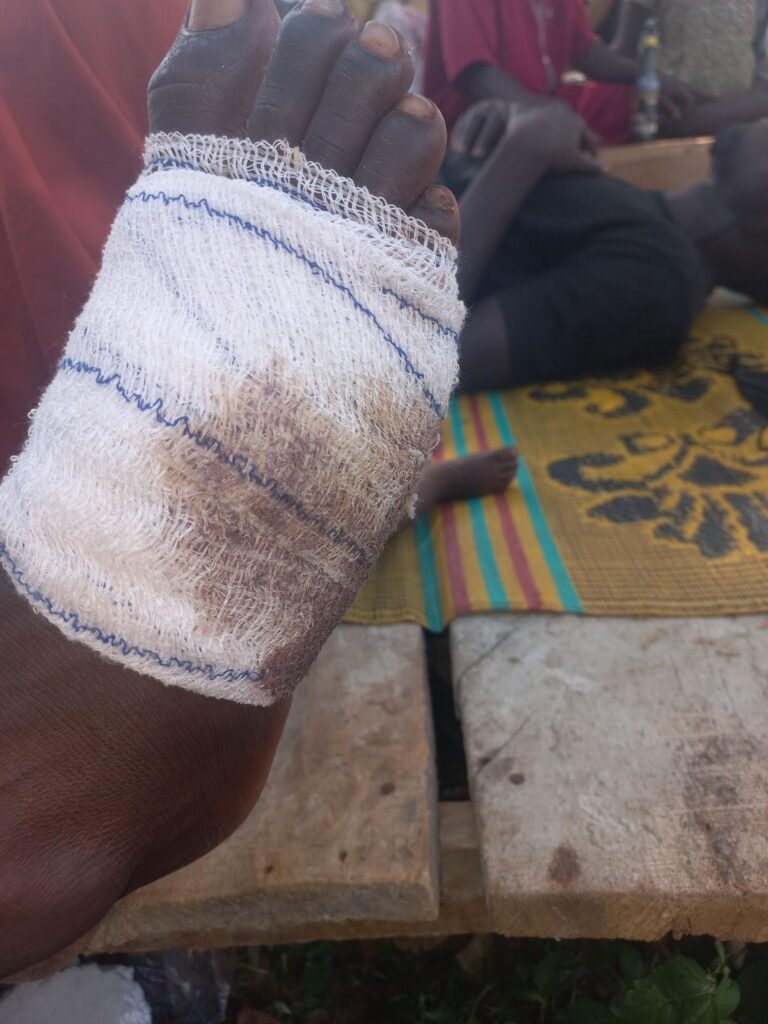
{"x":462,"y":908}
{"x":619,"y":773}
{"x":346,"y":829}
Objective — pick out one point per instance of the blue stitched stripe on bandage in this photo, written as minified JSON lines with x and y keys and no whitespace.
{"x":239,"y":462}
{"x":72,"y":620}
{"x":278,"y":186}
{"x":315,"y":268}
{"x":447,"y":332}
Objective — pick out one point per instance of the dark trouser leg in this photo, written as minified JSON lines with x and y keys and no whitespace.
{"x":583,"y":317}
{"x":485,"y":359}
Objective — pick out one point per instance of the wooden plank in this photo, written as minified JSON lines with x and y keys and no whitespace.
{"x":666,"y":165}
{"x":618,"y":773}
{"x":462,"y":907}
{"x":346,"y":829}
{"x":462,"y":897}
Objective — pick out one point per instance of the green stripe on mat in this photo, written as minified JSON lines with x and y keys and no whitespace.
{"x":429,"y":584}
{"x":485,"y":553}
{"x":565,"y":589}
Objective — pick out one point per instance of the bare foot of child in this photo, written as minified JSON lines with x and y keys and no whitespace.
{"x":473,"y":476}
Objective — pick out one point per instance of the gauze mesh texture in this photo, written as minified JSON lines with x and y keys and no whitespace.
{"x":239,"y":420}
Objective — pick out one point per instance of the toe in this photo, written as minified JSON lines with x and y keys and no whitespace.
{"x":208,"y":81}
{"x":404,"y":153}
{"x":438,"y":209}
{"x":372,"y":74}
{"x":504,"y":454}
{"x":310,"y":40}
{"x":207,"y":14}
{"x":506,"y":460}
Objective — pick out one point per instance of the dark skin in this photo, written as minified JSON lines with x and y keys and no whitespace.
{"x":108,"y":779}
{"x":527,"y":143}
{"x":599,"y":63}
{"x":472,"y":476}
{"x":706,"y":115}
{"x":727,"y":217}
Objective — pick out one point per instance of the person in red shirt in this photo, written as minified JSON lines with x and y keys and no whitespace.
{"x":519,"y":50}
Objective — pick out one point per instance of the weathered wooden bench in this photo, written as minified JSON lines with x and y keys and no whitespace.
{"x":618,"y":779}
{"x":348,"y":838}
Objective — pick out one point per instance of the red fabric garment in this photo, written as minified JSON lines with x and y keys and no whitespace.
{"x":73,"y":80}
{"x":606,"y":108}
{"x":532,"y":41}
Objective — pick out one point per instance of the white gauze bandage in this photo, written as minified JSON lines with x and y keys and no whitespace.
{"x":240,"y":417}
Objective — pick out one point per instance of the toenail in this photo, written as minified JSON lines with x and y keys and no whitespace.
{"x":330,"y":8}
{"x":208,"y":14}
{"x":381,"y":40}
{"x":417,"y":106}
{"x":440,"y":199}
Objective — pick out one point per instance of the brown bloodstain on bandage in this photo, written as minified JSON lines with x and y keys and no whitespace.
{"x":276,"y":546}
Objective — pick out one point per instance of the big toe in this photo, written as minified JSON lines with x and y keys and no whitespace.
{"x":207,"y":83}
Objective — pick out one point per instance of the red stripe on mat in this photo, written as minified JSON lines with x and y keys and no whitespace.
{"x":514,"y":544}
{"x":454,"y":562}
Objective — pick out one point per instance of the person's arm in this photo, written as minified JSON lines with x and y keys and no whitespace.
{"x":631,"y":21}
{"x":466,"y":37}
{"x":485,"y":82}
{"x":601,"y":63}
{"x":593,"y":58}
{"x":761,"y":47}
{"x":708,"y":118}
{"x":487,"y":208}
{"x":619,"y":64}
{"x":535,"y":140}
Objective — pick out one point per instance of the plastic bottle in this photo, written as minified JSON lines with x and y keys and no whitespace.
{"x":645,"y":123}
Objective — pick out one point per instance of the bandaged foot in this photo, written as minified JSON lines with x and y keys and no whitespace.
{"x":247,"y":401}
{"x":109,"y":778}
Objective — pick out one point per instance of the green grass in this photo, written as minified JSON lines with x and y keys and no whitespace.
{"x":511,"y":982}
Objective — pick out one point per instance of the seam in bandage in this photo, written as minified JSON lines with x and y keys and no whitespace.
{"x":295,"y":194}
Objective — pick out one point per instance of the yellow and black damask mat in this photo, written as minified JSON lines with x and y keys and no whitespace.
{"x":640,"y":493}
